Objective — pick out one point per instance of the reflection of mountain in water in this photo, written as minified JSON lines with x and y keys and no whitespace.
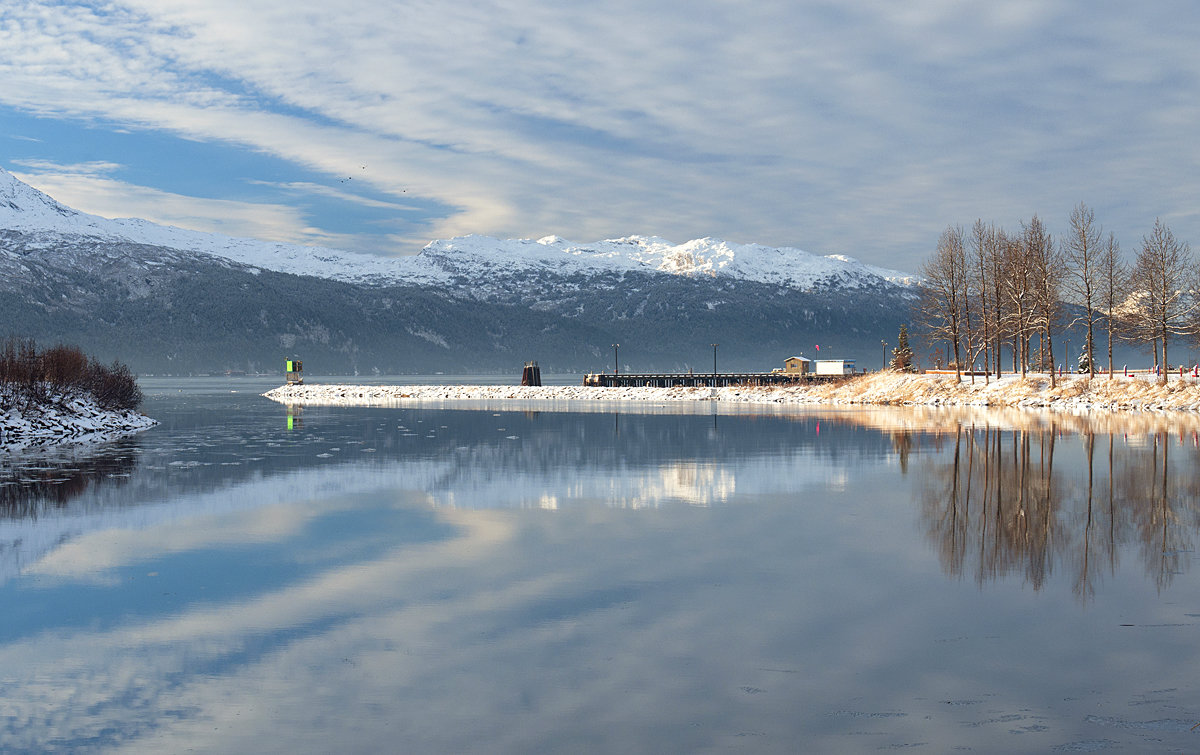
{"x":51,"y":478}
{"x":1028,"y":502}
{"x":630,"y":460}
{"x":219,"y":455}
{"x":1004,"y":493}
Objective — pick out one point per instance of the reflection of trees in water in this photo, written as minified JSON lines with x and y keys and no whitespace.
{"x":29,"y":484}
{"x":995,"y":503}
{"x":1163,"y":508}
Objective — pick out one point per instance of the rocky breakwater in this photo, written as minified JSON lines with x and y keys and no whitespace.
{"x":389,"y":395}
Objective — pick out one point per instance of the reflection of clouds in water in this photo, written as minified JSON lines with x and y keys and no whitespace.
{"x":518,"y":633}
{"x":145,"y":661}
{"x":558,"y":462}
{"x":92,"y":555}
{"x":84,"y":540}
{"x":680,"y":629}
{"x":57,"y":543}
{"x":671,"y":627}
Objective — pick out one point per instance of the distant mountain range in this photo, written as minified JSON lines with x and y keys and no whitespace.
{"x":169,"y":300}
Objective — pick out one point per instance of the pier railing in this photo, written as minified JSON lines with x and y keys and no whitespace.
{"x":709,"y":379}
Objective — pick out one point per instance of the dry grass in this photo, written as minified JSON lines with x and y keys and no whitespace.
{"x":1075,"y":392}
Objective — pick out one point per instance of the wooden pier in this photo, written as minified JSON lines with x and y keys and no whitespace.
{"x":705,"y":379}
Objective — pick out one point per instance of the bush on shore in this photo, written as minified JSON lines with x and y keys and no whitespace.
{"x":36,"y":376}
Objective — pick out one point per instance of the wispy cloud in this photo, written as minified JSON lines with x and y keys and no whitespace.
{"x":93,"y":168}
{"x":108,"y":197}
{"x":321,"y":190}
{"x":858,"y":128}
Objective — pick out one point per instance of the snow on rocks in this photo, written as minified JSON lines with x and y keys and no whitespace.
{"x":389,"y":395}
{"x":1072,"y":393}
{"x":65,"y":418}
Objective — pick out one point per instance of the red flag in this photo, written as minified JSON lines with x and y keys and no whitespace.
{"x":818,"y":347}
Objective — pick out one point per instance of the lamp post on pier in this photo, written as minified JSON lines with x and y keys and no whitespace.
{"x":616,"y":362}
{"x":715,"y":358}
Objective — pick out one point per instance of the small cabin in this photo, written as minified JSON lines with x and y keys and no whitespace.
{"x":796,"y":365}
{"x":835,"y":367}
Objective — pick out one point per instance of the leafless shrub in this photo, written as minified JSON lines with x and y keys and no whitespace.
{"x":28,"y":376}
{"x":114,"y":387}
{"x":64,"y":367}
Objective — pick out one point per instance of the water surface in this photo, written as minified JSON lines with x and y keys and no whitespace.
{"x":249,"y":577}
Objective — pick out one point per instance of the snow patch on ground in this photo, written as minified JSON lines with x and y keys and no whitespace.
{"x":1071,"y":393}
{"x":64,"y":418}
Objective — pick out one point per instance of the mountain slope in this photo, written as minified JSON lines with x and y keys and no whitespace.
{"x":170,"y":300}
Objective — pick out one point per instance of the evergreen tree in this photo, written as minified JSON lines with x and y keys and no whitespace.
{"x":902,"y":355}
{"x":1084,"y":363}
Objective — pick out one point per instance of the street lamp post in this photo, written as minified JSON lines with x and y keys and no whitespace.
{"x":884,"y":345}
{"x":616,"y":362}
{"x":714,"y":358}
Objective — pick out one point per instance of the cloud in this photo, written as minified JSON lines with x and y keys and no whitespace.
{"x":312,"y":189}
{"x":94,"y":168}
{"x":860,"y":129}
{"x":86,"y":187}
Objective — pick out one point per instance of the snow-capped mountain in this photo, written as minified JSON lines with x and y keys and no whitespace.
{"x":166,"y":299}
{"x":32,"y":212}
{"x":707,"y":257}
{"x":23,"y":208}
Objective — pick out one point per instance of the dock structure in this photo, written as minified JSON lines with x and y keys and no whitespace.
{"x":707,"y":379}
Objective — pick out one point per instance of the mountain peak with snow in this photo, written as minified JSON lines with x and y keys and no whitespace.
{"x":706,"y":257}
{"x":478,"y":259}
{"x":24,"y":207}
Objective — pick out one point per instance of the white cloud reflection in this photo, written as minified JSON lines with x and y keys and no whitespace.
{"x":806,"y":608}
{"x":679,"y":628}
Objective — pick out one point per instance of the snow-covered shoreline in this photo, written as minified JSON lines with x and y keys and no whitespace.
{"x":64,"y":419}
{"x":1072,"y":393}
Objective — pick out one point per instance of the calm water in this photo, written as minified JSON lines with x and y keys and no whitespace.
{"x":249,"y":578}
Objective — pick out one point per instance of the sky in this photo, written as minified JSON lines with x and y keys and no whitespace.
{"x":856,"y":128}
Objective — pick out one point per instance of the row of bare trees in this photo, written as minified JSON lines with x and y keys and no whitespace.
{"x":990,"y":290}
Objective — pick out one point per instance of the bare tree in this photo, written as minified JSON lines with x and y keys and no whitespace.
{"x":984,"y":256}
{"x":1114,"y":280}
{"x":944,"y":293}
{"x":1163,"y":278}
{"x":1045,"y":270}
{"x":1017,"y":285}
{"x":1084,"y":280}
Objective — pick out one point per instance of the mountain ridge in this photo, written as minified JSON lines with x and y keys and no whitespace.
{"x":171,"y":301}
{"x":24,"y":208}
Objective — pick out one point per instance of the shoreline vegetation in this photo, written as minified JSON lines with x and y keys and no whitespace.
{"x":1070,"y":393}
{"x":59,"y":394}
